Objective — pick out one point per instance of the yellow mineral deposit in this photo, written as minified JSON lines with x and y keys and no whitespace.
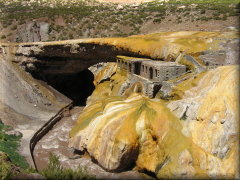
{"x":162,"y":45}
{"x":119,"y":131}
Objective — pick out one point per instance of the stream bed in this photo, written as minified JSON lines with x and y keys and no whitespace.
{"x":56,"y":142}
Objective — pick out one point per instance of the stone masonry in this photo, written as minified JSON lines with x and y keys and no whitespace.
{"x":150,"y":73}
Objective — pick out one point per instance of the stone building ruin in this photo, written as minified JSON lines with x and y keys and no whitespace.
{"x":149,"y":72}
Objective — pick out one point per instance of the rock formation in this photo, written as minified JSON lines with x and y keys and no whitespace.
{"x":33,"y":32}
{"x":194,"y":136}
{"x":191,"y":133}
{"x":209,"y":112}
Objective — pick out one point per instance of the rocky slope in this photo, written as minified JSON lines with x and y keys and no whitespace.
{"x":25,"y":103}
{"x":31,"y":21}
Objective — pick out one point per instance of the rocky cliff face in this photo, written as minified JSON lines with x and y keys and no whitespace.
{"x":209,"y":113}
{"x":25,"y":103}
{"x":33,"y":32}
{"x":194,"y":136}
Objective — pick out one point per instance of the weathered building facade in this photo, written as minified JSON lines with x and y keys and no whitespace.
{"x":149,"y":72}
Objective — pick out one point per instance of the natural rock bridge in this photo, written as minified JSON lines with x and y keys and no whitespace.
{"x":65,"y":57}
{"x":64,"y":65}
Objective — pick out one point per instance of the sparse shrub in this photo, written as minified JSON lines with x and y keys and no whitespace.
{"x":224,"y":18}
{"x":179,"y":17}
{"x":179,"y":10}
{"x":71,"y":36}
{"x":157,"y":20}
{"x":3,"y":37}
{"x":186,"y":13}
{"x":217,"y":18}
{"x":14,"y":27}
{"x":203,"y":11}
{"x":21,"y":22}
{"x":179,"y":21}
{"x":204,"y":18}
{"x":172,"y":10}
{"x":54,"y":171}
{"x":58,"y":28}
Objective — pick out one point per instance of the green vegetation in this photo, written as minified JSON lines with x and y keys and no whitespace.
{"x":10,"y":144}
{"x":94,"y":19}
{"x":10,"y":159}
{"x":6,"y":166}
{"x":55,"y":171}
{"x":12,"y":162}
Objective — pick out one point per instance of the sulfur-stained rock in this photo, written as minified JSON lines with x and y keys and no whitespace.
{"x":124,"y":126}
{"x":108,"y":70}
{"x":118,"y":131}
{"x":211,"y":117}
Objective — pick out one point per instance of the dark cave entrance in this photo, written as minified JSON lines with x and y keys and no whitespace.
{"x":78,"y":87}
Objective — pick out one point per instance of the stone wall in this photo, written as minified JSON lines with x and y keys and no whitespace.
{"x":161,"y":71}
{"x":150,"y":88}
{"x":149,"y":72}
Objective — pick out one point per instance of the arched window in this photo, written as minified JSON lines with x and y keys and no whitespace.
{"x":150,"y":73}
{"x":130,"y":67}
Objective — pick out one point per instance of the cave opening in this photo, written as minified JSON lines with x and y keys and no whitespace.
{"x":78,"y":86}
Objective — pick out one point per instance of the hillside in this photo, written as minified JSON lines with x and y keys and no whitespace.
{"x":27,"y":21}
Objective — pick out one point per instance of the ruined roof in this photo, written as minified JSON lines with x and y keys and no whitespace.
{"x":161,"y":63}
{"x":133,"y":59}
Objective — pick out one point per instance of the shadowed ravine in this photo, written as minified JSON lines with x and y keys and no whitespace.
{"x":76,"y":86}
